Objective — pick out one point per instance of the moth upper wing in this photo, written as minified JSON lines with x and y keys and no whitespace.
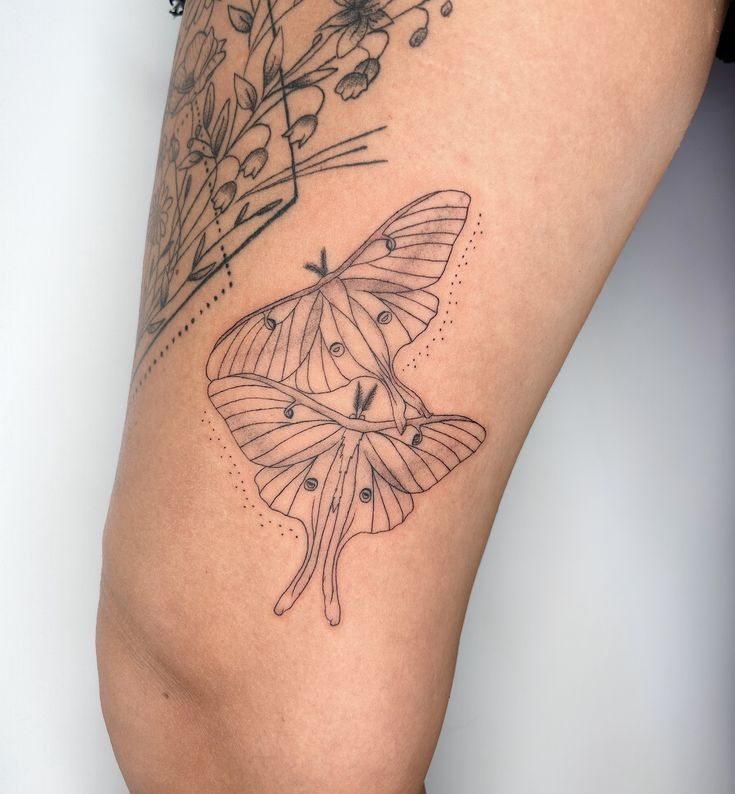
{"x":387,"y":278}
{"x":269,"y":427}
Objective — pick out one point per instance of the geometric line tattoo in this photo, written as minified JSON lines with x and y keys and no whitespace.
{"x":308,"y":390}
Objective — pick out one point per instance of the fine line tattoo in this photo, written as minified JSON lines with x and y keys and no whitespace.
{"x":350,"y":461}
{"x":233,"y":151}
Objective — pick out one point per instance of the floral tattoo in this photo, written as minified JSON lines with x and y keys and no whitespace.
{"x":231,"y":162}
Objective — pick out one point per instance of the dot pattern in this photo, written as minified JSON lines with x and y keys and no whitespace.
{"x":439,"y":331}
{"x":198,"y":312}
{"x":235,"y":471}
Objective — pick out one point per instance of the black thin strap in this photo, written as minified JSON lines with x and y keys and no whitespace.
{"x":726,"y":48}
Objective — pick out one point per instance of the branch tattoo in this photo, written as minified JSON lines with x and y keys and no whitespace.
{"x":308,"y":389}
{"x":231,"y":159}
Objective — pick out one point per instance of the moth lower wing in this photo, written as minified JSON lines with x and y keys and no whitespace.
{"x":304,"y":491}
{"x":414,"y":461}
{"x":393,"y":319}
{"x":369,"y":505}
{"x":400,"y":319}
{"x":296,"y":342}
{"x":348,"y":344}
{"x":390,"y":467}
{"x":301,"y":453}
{"x":360,"y":335}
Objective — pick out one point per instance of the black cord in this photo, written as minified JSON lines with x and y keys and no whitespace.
{"x":726,"y":47}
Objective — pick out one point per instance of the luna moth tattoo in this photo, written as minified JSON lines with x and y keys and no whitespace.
{"x":308,"y":389}
{"x":353,"y":321}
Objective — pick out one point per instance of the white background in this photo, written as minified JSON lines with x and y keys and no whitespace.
{"x":599,"y":649}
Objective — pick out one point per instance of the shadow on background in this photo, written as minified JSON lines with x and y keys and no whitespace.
{"x":599,"y":647}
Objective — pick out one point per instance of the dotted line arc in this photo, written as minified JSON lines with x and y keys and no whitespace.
{"x":452,"y":303}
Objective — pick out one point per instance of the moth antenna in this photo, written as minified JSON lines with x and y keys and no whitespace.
{"x":314,"y":269}
{"x":370,"y":397}
{"x":323,"y":259}
{"x":358,"y":399}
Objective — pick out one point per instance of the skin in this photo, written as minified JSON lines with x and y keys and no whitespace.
{"x":558,"y":119}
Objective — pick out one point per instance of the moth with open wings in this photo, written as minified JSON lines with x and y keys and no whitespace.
{"x":338,"y":475}
{"x":354,"y":320}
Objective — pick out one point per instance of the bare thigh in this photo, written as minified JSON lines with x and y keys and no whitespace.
{"x":555,"y":121}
